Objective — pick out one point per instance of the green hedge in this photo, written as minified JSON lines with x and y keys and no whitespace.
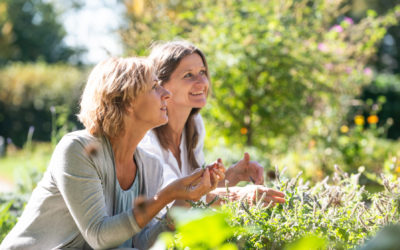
{"x":28,"y":91}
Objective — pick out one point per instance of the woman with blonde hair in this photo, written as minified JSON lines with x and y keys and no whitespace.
{"x":182,"y":69}
{"x":86,"y":197}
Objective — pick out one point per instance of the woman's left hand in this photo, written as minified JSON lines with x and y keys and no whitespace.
{"x":245,"y":170}
{"x":253,"y":194}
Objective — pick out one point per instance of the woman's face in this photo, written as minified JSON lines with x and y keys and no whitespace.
{"x":188,"y":83}
{"x":151,"y":106}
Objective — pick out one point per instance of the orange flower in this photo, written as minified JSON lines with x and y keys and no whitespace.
{"x":372,"y":119}
{"x":312,"y":144}
{"x":359,"y":120}
{"x":344,"y":129}
{"x":397,"y":169}
{"x":243,"y":131}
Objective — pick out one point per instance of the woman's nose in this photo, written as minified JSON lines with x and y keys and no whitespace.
{"x":165,"y":93}
{"x":202,"y":79}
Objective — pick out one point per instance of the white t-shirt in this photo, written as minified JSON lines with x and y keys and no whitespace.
{"x":151,"y":144}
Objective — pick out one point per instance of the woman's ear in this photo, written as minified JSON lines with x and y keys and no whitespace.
{"x":130,"y":108}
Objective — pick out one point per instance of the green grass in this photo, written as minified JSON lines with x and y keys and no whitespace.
{"x":19,"y":162}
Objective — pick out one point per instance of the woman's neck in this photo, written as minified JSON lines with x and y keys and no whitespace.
{"x":177,"y":118}
{"x":124,"y":145}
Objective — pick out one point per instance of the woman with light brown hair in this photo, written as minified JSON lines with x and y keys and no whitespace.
{"x":182,"y":69}
{"x":86,"y":197}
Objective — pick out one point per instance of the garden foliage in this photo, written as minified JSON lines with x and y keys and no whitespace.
{"x":29,"y":90}
{"x":336,"y":213}
{"x":275,"y":65}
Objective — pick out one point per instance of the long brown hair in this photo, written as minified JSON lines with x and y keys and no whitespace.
{"x":166,"y":58}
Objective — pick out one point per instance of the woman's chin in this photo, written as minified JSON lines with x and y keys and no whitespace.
{"x":162,"y":121}
{"x":199,"y":104}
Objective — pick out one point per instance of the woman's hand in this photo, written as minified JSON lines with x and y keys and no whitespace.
{"x":191,"y":187}
{"x":217,"y":168}
{"x":245,"y":170}
{"x":253,"y":193}
{"x":194,"y":186}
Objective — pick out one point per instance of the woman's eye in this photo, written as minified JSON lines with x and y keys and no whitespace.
{"x":188,"y":75}
{"x":203,"y":72}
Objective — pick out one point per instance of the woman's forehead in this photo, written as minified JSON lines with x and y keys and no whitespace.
{"x":190,"y":62}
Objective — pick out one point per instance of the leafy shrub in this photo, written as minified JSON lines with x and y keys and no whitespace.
{"x":386,"y":88}
{"x":27,"y":91}
{"x":339,"y":212}
{"x":275,"y":65}
{"x":11,"y":208}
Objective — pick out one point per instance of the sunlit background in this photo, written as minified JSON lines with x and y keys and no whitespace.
{"x":300,"y":85}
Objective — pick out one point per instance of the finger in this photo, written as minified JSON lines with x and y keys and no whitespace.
{"x":202,"y":187}
{"x":214,"y":182}
{"x":279,"y":200}
{"x":272,"y":192}
{"x":260,"y":175}
{"x":270,"y":204}
{"x":274,"y":199}
{"x":220,"y":175}
{"x":195,"y":175}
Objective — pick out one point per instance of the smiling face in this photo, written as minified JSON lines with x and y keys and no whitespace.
{"x":151,"y":107}
{"x":189,"y":83}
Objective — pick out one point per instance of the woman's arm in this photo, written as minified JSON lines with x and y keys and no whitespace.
{"x":79,"y":181}
{"x":192,"y":187}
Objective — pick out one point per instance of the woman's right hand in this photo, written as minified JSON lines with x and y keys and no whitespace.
{"x":194,"y":186}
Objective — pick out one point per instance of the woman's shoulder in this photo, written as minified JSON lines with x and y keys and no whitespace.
{"x":150,"y":144}
{"x":79,"y":147}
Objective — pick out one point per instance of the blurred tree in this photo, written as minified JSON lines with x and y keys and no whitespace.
{"x":273,"y":63}
{"x":387,"y":59}
{"x":30,"y":30}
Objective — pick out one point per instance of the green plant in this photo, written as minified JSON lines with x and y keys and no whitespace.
{"x":339,"y":213}
{"x":28,"y":90}
{"x":7,"y":220}
{"x":275,"y":65}
{"x":11,"y":207}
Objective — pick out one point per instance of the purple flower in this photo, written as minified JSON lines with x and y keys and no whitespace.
{"x":348,"y":20}
{"x":322,"y":47}
{"x":337,"y":28}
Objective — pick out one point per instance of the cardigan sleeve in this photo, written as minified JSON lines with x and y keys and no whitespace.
{"x":79,"y":181}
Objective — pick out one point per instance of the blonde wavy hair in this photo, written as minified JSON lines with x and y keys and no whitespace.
{"x":111,"y":88}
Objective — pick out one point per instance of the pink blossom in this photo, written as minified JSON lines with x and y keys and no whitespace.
{"x":329,"y":66}
{"x":348,"y":70}
{"x":337,"y":28}
{"x":322,"y":47}
{"x":368,"y":71}
{"x":348,"y":20}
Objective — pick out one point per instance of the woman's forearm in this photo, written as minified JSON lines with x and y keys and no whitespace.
{"x":145,"y":210}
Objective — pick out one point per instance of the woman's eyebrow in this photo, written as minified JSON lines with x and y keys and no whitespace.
{"x":190,"y":69}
